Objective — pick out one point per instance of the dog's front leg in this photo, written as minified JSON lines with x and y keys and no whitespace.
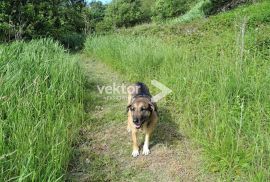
{"x":135,"y":151}
{"x":128,"y":127}
{"x":146,"y":150}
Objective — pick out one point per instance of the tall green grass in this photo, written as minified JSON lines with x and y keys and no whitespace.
{"x":220,"y":80}
{"x":41,"y":106}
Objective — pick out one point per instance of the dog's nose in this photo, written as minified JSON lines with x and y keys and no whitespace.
{"x":135,"y":120}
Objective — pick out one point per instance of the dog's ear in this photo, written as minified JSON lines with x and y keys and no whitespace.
{"x":128,"y":107}
{"x":152,"y":106}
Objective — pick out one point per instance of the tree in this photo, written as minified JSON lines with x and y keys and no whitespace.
{"x":97,"y":11}
{"x":27,"y":19}
{"x":95,"y":14}
{"x":163,"y":9}
{"x":146,"y":9}
{"x":124,"y":13}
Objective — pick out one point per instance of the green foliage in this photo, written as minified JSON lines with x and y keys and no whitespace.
{"x":197,"y":11}
{"x":163,"y":9}
{"x":72,"y":40}
{"x":124,"y":13}
{"x":146,"y":9}
{"x":219,"y":81}
{"x":41,"y":108}
{"x":223,"y":5}
{"x":96,"y":13}
{"x":104,"y":26}
{"x":257,"y":14}
{"x":34,"y":19}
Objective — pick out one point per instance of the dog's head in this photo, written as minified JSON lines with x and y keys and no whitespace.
{"x":141,"y":110}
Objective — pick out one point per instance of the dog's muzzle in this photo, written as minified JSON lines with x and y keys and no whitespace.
{"x":138,"y":123}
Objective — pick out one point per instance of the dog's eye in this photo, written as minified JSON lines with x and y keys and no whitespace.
{"x":143,"y":109}
{"x":132,"y":109}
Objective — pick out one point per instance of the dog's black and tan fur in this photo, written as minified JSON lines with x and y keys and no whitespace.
{"x":142,"y":115}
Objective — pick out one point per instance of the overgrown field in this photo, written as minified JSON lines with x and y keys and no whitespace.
{"x":41,"y":107}
{"x":219,"y":72}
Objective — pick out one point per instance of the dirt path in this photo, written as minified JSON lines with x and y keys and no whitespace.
{"x":103,"y":151}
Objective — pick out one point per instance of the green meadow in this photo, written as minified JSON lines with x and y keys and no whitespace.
{"x":55,"y":126}
{"x":218,"y":70}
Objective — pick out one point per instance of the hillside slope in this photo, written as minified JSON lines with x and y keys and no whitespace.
{"x":218,"y":69}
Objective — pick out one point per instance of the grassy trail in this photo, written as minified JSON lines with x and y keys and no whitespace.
{"x":103,"y":150}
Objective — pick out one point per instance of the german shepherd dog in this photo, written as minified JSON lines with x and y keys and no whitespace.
{"x":142,"y":115}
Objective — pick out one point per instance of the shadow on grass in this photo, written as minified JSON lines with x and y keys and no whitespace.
{"x":167,"y":130}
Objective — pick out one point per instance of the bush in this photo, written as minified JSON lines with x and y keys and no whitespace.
{"x":168,"y":8}
{"x":72,"y":40}
{"x":34,"y":19}
{"x":223,"y":5}
{"x":124,"y":13}
{"x":103,"y":26}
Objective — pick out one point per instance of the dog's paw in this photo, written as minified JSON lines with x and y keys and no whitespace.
{"x":128,"y":130}
{"x":146,"y":151}
{"x":135,"y":153}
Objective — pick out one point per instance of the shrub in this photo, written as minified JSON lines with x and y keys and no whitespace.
{"x":223,"y":5}
{"x":163,"y":9}
{"x":103,"y":26}
{"x":124,"y":13}
{"x":72,"y":40}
